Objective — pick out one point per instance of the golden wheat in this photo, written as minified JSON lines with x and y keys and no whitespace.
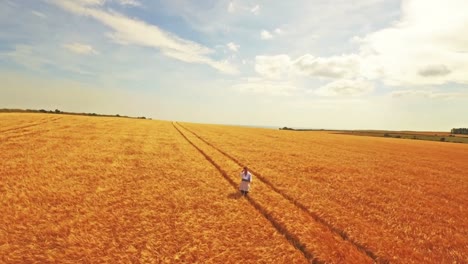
{"x":403,"y":201}
{"x":89,"y":189}
{"x":94,"y":189}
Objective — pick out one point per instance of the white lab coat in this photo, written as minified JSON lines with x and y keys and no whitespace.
{"x":246,"y":180}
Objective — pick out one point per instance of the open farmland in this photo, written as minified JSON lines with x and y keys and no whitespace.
{"x":93,"y":189}
{"x":97,"y":190}
{"x":402,"y":201}
{"x":416,"y":135}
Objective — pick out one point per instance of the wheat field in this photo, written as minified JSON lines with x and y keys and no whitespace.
{"x":77,"y":189}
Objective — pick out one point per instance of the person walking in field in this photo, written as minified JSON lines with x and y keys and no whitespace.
{"x":246,"y":177}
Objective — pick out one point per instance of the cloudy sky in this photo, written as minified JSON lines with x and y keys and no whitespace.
{"x":367,"y":64}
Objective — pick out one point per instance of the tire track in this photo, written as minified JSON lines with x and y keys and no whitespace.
{"x":343,"y":234}
{"x":293,"y":239}
{"x":31,"y":125}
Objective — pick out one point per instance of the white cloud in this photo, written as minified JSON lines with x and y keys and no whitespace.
{"x":427,"y":46}
{"x":274,"y":67}
{"x":30,"y":57}
{"x":346,"y":88}
{"x":255,"y":10}
{"x":266,"y":87}
{"x":265,"y":34}
{"x":133,"y":31}
{"x":38,"y":14}
{"x":434,"y":70}
{"x":428,"y":94}
{"x":236,"y":6}
{"x":231,"y":7}
{"x":129,"y":2}
{"x":25,"y":55}
{"x":102,"y":2}
{"x":344,"y":66}
{"x":80,"y":48}
{"x":90,"y":2}
{"x":232,"y":46}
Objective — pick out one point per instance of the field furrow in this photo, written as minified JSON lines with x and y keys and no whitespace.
{"x":103,"y":189}
{"x":314,"y":215}
{"x":310,"y":233}
{"x":114,"y":190}
{"x":277,"y":225}
{"x":403,"y":200}
{"x":15,"y":126}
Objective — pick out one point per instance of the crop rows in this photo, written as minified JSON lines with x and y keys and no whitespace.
{"x":12,"y":125}
{"x":318,"y":241}
{"x":93,"y":189}
{"x":113,"y":190}
{"x":404,"y":201}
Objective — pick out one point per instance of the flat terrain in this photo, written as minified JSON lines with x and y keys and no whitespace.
{"x":102,"y":189}
{"x":416,"y":135}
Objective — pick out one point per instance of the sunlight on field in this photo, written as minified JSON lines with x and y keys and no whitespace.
{"x":92,"y":189}
{"x":403,"y":200}
{"x":81,"y":189}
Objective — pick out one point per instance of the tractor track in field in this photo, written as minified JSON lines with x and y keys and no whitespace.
{"x":343,"y":234}
{"x":293,"y":239}
{"x":14,"y":136}
{"x":30,"y":125}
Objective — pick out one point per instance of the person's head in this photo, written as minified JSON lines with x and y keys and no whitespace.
{"x":245,"y":169}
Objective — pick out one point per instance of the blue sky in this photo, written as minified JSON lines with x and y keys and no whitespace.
{"x":368,"y":64}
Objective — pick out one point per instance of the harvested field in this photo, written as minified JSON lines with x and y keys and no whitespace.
{"x":100,"y":189}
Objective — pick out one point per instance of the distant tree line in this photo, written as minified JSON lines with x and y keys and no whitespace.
{"x":459,"y":131}
{"x":57,"y":111}
{"x":304,"y":129}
